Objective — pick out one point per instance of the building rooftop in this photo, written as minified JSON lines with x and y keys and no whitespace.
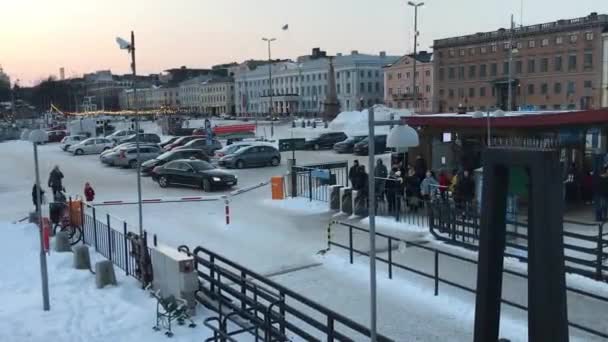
{"x":592,"y":20}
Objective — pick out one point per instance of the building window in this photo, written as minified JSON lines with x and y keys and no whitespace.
{"x":348,"y":88}
{"x":451,"y":53}
{"x":427,"y":73}
{"x":407,"y":75}
{"x":461,"y":52}
{"x":428,"y":88}
{"x":461,"y":72}
{"x":472,"y":71}
{"x":493,"y":69}
{"x":544,"y":64}
{"x":460,"y":92}
{"x":573,"y":38}
{"x":441,"y":92}
{"x":362,"y":87}
{"x":338,"y":89}
{"x":362,"y":74}
{"x":559,"y":40}
{"x":531,"y":66}
{"x":482,"y":91}
{"x":530,"y":89}
{"x":471,"y":92}
{"x":571,"y":87}
{"x":451,"y":93}
{"x":482,"y":70}
{"x":587,"y":84}
{"x":471,"y":51}
{"x":348,"y":74}
{"x":451,"y":73}
{"x":505,"y":68}
{"x":390,"y":91}
{"x":493,"y":91}
{"x":370,"y":87}
{"x":531,"y":43}
{"x":483,"y":49}
{"x":493,"y":47}
{"x":572,"y":63}
{"x":369,"y":74}
{"x":544,"y":88}
{"x":544,"y":42}
{"x":588,"y":61}
{"x":377,"y":87}
{"x":399,"y":76}
{"x":377,"y":74}
{"x":557,"y":63}
{"x":588,"y":35}
{"x":518,"y":67}
{"x":390,"y":76}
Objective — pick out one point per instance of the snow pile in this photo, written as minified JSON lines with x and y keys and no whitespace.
{"x":299,"y":205}
{"x":355,"y":123}
{"x":79,"y":311}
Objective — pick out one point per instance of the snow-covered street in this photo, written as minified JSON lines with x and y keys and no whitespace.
{"x":269,"y":237}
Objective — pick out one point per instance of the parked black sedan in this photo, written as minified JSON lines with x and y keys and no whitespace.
{"x":193,"y":173}
{"x":149,"y":165}
{"x":325,"y":140}
{"x":347,"y":145}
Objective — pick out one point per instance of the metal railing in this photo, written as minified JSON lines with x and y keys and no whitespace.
{"x":436,"y":275}
{"x":305,"y":183}
{"x":585,"y":253}
{"x":270,"y":310}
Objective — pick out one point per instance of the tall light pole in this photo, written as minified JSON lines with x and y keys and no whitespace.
{"x":130,"y":47}
{"x":415,"y":5}
{"x":269,"y":40}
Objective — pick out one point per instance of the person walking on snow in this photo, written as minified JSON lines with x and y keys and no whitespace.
{"x":89,"y":193}
{"x":55,"y":180}
{"x":428,"y":186}
{"x":35,"y":196}
{"x":380,"y":173}
{"x":353,"y":175}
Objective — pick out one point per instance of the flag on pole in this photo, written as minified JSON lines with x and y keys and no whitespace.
{"x":285,"y":27}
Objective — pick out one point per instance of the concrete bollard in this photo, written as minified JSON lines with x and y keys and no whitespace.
{"x":360,"y":204}
{"x":334,"y":197}
{"x":104,"y":274}
{"x":82,"y":259}
{"x":62,"y":242}
{"x":346,"y":203}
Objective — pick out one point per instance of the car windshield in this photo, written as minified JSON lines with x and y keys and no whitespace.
{"x":234,"y":148}
{"x":201,"y":165}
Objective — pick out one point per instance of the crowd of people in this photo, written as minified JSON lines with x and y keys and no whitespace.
{"x":55,"y":183}
{"x":417,"y":184}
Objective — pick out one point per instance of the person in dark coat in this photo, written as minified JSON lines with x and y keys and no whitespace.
{"x":353,"y":175}
{"x":35,"y":196}
{"x":56,"y":180}
{"x":420,"y":167}
{"x":380,"y":173}
{"x":89,"y":193}
{"x":602,"y":190}
{"x":363,"y":181}
{"x":412,"y":190}
{"x":465,"y":189}
{"x":393,"y":188}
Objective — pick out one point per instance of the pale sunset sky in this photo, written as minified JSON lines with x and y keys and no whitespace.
{"x":37,"y":37}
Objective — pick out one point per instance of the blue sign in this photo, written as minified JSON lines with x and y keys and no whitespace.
{"x":320,"y":173}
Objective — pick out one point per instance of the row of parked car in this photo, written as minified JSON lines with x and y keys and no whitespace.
{"x":341,"y":143}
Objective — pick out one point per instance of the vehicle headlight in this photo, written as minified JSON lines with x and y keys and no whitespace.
{"x":217,"y":179}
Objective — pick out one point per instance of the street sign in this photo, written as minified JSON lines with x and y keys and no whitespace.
{"x":320,"y":174}
{"x":291,"y":144}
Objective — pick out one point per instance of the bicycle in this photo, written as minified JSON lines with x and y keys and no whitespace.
{"x":61,"y":219}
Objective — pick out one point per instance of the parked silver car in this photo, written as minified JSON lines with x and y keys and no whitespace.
{"x":91,"y":146}
{"x":128,"y":157}
{"x":261,"y":155}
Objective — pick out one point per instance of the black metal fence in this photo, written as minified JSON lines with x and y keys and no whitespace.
{"x":313,"y":181}
{"x":435,"y":275}
{"x":266,"y":309}
{"x":585,"y":244}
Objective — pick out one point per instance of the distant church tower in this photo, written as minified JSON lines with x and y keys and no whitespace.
{"x":331,"y":107}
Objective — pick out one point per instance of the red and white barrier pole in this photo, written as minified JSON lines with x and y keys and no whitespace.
{"x":227,"y":205}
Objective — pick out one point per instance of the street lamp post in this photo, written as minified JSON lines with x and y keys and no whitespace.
{"x":415,"y":5}
{"x":130,"y":47}
{"x":269,"y":40}
{"x":36,"y":137}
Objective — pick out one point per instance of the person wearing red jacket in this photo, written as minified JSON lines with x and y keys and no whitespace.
{"x":444,"y":182}
{"x":89,"y":193}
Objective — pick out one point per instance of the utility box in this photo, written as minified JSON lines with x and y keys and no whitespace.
{"x":174,"y":274}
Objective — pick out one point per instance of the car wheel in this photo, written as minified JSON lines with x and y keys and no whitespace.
{"x":239,"y":164}
{"x":78,"y":152}
{"x":206,"y":185}
{"x":133,"y":164}
{"x":275,"y":161}
{"x":316,"y":147}
{"x":163,"y":181}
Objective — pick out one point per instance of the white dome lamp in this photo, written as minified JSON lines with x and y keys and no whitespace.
{"x":499,"y":113}
{"x":402,"y":137}
{"x":38,"y":136}
{"x":477,"y":115}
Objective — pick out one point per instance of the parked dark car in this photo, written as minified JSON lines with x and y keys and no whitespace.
{"x":203,"y":144}
{"x":149,"y":165}
{"x":193,"y":173}
{"x":143,"y":138}
{"x":347,"y":145}
{"x":168,"y":142}
{"x":325,"y":140}
{"x":362,"y":147}
{"x":56,"y":136}
{"x":181,"y":141}
{"x":252,"y":156}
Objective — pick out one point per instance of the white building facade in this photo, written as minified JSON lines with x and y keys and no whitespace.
{"x":301,"y":87}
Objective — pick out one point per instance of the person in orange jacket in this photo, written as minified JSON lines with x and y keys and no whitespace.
{"x":89,"y":193}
